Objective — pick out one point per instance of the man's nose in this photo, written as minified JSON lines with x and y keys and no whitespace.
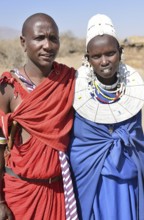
{"x":46,"y":43}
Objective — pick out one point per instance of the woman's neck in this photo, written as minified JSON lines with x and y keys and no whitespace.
{"x":107,"y":81}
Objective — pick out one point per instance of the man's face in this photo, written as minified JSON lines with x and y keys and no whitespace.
{"x":41,"y":42}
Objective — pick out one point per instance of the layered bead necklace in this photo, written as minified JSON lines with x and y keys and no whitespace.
{"x":106,"y":94}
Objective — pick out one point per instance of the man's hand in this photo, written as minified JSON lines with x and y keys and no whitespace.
{"x":5,"y":213}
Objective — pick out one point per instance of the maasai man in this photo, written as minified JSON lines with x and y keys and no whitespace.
{"x":36,"y":118}
{"x":107,"y":148}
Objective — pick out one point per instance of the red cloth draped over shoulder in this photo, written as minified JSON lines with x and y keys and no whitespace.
{"x":46,"y":113}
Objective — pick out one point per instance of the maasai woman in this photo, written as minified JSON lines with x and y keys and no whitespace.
{"x":107,"y":147}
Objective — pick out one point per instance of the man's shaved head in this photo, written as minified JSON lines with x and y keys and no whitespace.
{"x":34,"y":18}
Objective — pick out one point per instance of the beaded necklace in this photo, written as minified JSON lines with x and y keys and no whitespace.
{"x":31,"y":82}
{"x":107,"y":87}
{"x":102,"y":93}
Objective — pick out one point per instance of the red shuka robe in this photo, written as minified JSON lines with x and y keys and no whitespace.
{"x":47,"y":114}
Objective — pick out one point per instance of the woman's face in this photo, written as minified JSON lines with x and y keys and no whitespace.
{"x":104,"y":56}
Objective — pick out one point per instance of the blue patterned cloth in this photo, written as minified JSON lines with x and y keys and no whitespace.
{"x":108,"y":167}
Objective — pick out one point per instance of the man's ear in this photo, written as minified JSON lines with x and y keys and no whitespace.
{"x":23,"y":42}
{"x":120,"y":51}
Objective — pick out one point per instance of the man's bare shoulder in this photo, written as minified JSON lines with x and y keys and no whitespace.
{"x":6,"y":94}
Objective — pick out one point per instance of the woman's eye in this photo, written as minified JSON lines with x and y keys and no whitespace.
{"x":111,"y":53}
{"x":96,"y":57}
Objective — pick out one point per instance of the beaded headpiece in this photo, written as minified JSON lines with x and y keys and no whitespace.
{"x":99,"y":24}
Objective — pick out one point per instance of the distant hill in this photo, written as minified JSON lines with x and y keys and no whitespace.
{"x":7,"y":33}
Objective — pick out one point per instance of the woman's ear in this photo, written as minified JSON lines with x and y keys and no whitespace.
{"x":23,"y":42}
{"x":86,"y":56}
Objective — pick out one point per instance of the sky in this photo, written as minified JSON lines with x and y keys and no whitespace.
{"x":73,"y":15}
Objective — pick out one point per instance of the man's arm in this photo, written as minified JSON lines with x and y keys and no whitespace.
{"x":5,"y":213}
{"x":5,"y":99}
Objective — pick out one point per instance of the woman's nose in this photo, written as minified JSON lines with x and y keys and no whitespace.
{"x":104,"y":60}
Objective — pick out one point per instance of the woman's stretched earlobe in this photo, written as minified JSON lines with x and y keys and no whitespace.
{"x":86,"y":56}
{"x":85,"y":61}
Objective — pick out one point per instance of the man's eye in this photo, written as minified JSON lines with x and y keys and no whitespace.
{"x":54,"y":39}
{"x":39,"y":38}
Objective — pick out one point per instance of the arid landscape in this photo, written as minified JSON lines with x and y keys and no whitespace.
{"x":71,"y":53}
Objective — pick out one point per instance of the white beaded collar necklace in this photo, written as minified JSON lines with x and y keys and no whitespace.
{"x":94,"y":78}
{"x":107,"y":87}
{"x":130,"y":103}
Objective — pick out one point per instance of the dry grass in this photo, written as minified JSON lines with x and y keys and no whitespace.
{"x":71,"y":54}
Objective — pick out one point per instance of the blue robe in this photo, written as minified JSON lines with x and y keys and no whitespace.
{"x":108,"y":169}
